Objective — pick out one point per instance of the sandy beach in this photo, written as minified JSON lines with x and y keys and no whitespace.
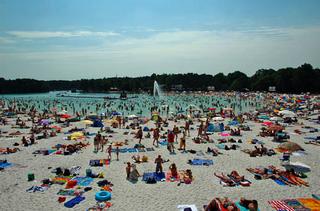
{"x":159,"y":196}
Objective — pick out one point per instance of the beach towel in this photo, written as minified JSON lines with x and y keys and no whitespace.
{"x":279,"y":182}
{"x":310,"y":203}
{"x":132,"y":150}
{"x":220,"y":146}
{"x":83,"y":181}
{"x":150,"y":149}
{"x":5,"y":165}
{"x":187,"y":207}
{"x":242,"y":208}
{"x":95,"y":163}
{"x":295,"y":204}
{"x":200,"y":162}
{"x":141,"y":150}
{"x":316,"y":196}
{"x":163,"y":142}
{"x":124,"y":150}
{"x":76,"y":200}
{"x":280,"y":205}
{"x":158,"y":176}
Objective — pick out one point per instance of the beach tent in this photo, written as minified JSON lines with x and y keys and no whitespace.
{"x":297,"y":167}
{"x":290,"y":146}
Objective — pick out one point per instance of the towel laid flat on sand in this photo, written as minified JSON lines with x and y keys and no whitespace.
{"x":157,"y":176}
{"x":201,"y":162}
{"x":280,"y":205}
{"x":191,"y":207}
{"x":312,"y":204}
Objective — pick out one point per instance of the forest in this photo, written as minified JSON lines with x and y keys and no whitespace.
{"x":301,"y":79}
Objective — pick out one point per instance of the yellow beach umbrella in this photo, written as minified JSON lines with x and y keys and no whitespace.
{"x":87,"y":122}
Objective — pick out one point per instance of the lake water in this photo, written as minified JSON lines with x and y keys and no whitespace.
{"x":138,"y":104}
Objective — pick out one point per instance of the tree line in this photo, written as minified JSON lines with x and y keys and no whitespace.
{"x":304,"y":78}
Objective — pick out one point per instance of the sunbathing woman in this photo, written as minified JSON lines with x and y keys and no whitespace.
{"x":228,"y":182}
{"x":218,"y":204}
{"x":236,"y":177}
{"x":251,"y":205}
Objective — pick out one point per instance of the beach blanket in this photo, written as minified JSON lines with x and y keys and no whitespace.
{"x":150,"y":149}
{"x":310,"y":203}
{"x":96,"y":162}
{"x":185,"y":207}
{"x":5,"y":165}
{"x":242,"y":208}
{"x":60,"y":180}
{"x":132,"y":150}
{"x":158,"y":176}
{"x":83,"y":181}
{"x":76,"y":200}
{"x":280,"y":205}
{"x":295,"y":204}
{"x":163,"y":142}
{"x":200,"y":162}
{"x":220,"y":146}
{"x":316,"y":196}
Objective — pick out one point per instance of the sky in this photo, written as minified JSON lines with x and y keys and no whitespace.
{"x":74,"y":39}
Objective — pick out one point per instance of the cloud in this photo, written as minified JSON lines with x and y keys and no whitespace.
{"x":172,"y":52}
{"x":58,"y":34}
{"x":4,"y":40}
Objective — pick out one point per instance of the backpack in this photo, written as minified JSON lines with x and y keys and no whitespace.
{"x":151,"y":180}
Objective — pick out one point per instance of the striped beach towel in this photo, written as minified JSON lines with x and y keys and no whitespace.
{"x":280,"y":205}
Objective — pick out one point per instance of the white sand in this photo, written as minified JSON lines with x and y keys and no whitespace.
{"x":141,"y":196}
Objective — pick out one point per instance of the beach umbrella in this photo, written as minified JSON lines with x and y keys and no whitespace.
{"x":45,"y":121}
{"x":218,"y":118}
{"x":87,"y":122}
{"x":263,"y":117}
{"x":111,"y":121}
{"x":267,"y":123}
{"x":76,"y":135}
{"x":132,"y":116}
{"x":297,"y":167}
{"x":115,"y":113}
{"x":290,"y":146}
{"x":203,"y":119}
{"x":276,"y":118}
{"x":65,"y":116}
{"x":287,"y":113}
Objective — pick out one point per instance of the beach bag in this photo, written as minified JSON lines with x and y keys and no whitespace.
{"x":151,"y":180}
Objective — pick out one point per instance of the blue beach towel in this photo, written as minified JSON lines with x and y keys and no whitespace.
{"x":76,"y":200}
{"x":83,"y":181}
{"x":200,"y":162}
{"x":5,"y":165}
{"x":131,"y":150}
{"x":157,"y":176}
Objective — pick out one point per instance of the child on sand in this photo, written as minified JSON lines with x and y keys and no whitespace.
{"x":117,"y":153}
{"x":109,"y":151}
{"x":128,"y":169}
